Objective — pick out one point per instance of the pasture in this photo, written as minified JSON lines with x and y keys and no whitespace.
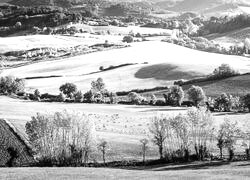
{"x":195,"y":171}
{"x":157,"y":63}
{"x":121,"y":125}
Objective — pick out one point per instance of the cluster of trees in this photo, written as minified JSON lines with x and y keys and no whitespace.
{"x":97,"y":94}
{"x":229,"y":103}
{"x":199,"y":43}
{"x":11,"y":85}
{"x":193,"y":136}
{"x":26,"y":18}
{"x":180,"y":136}
{"x":69,"y":139}
{"x":61,"y":138}
{"x":224,"y":24}
{"x":174,"y":97}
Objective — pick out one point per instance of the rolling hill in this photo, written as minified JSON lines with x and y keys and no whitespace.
{"x":155,"y":64}
{"x":230,"y":38}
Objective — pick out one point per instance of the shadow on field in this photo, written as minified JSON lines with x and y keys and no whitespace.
{"x":180,"y":166}
{"x":192,"y":166}
{"x":230,"y":113}
{"x":242,"y":165}
{"x":160,"y":109}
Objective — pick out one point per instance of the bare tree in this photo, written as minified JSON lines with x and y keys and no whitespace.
{"x":159,"y":133}
{"x":103,"y":147}
{"x":61,"y":136}
{"x":144,"y":147}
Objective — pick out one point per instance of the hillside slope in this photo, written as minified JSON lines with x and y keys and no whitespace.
{"x":157,"y":64}
{"x":230,"y":38}
{"x":9,"y":138}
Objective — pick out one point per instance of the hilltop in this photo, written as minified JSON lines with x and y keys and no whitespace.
{"x":157,"y":63}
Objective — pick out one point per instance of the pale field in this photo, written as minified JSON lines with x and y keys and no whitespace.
{"x":19,"y":43}
{"x":157,"y":55}
{"x":121,"y":125}
{"x":114,"y":30}
{"x":194,"y":171}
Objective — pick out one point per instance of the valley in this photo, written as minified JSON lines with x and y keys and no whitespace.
{"x":150,"y":89}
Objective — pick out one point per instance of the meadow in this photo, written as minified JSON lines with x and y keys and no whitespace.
{"x":193,"y":171}
{"x":122,"y":126}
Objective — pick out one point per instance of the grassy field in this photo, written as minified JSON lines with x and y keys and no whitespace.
{"x":121,"y":125}
{"x":158,"y":64}
{"x":195,"y":171}
{"x":230,"y":38}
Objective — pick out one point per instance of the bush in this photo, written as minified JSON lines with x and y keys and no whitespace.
{"x":78,"y":96}
{"x":153,"y":99}
{"x":175,"y":96}
{"x":11,"y":84}
{"x":61,"y":97}
{"x":196,"y":95}
{"x":37,"y":94}
{"x":69,"y":89}
{"x":128,"y":39}
{"x":222,"y":103}
{"x":160,"y":102}
{"x":113,"y":98}
{"x":246,"y":101}
{"x":224,"y":71}
{"x":89,"y":96}
{"x":135,"y":98}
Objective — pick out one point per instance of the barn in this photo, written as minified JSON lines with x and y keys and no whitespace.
{"x":14,"y":151}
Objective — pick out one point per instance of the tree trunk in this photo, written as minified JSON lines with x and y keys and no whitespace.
{"x":143,"y":157}
{"x":221,"y":154}
{"x":103,"y":157}
{"x":161,"y":151}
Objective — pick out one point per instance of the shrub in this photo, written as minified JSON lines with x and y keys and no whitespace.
{"x":89,"y":96}
{"x":128,"y":39}
{"x":224,"y":71}
{"x":61,"y":138}
{"x":222,"y":103}
{"x":78,"y":96}
{"x":68,"y":89}
{"x":227,"y":103}
{"x":113,"y":98}
{"x":61,"y":97}
{"x":246,"y":101}
{"x":11,"y":84}
{"x":135,"y":98}
{"x":175,"y":96}
{"x":98,"y":85}
{"x":196,"y":95}
{"x":160,"y":102}
{"x":153,"y":99}
{"x":227,"y":137}
{"x":37,"y":94}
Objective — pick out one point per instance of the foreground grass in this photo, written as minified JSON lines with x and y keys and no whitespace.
{"x":238,"y":170}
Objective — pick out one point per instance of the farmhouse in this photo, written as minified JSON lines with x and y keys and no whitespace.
{"x":14,"y":151}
